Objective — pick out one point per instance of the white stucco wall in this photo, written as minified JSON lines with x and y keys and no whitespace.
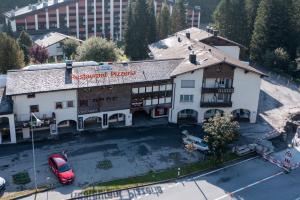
{"x":177,"y":106}
{"x":55,"y":50}
{"x":245,"y":96}
{"x":46,"y":102}
{"x":233,"y":51}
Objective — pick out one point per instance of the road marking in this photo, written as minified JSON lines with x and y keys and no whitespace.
{"x":228,"y":166}
{"x":250,"y":185}
{"x":211,"y":172}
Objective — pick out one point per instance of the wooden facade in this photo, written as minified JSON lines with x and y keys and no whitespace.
{"x":102,"y":99}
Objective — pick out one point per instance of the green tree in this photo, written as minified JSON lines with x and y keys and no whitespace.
{"x":69,"y":48}
{"x":220,"y":131}
{"x":151,"y":23}
{"x":129,"y":32}
{"x":251,"y":7}
{"x":231,"y":20}
{"x":178,"y":17}
{"x":25,"y":43}
{"x":274,"y":28}
{"x":98,"y":49}
{"x":136,"y":42}
{"x":11,"y":55}
{"x":163,"y":24}
{"x":278,"y":59}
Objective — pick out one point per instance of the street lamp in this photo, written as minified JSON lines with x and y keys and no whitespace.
{"x":37,"y":123}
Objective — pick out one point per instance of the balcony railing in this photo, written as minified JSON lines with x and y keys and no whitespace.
{"x":216,"y":104}
{"x":217,"y":90}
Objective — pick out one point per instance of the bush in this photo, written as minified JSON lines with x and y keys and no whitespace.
{"x":105,"y":164}
{"x":279,"y":59}
{"x":69,"y":48}
{"x":21,"y":178}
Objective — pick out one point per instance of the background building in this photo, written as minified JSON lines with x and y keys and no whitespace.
{"x":81,"y":18}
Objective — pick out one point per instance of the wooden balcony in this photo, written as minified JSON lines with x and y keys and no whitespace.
{"x":216,"y":104}
{"x":217,"y":90}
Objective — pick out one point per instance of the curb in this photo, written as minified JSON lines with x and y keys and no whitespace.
{"x":170,"y":180}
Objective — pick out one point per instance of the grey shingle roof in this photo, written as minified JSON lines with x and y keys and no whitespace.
{"x":51,"y":38}
{"x":33,"y":81}
{"x":173,"y":47}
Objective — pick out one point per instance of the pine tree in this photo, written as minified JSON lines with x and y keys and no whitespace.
{"x":231,"y":20}
{"x":178,"y":17}
{"x":251,"y":7}
{"x":11,"y":55}
{"x":136,"y":42}
{"x":274,"y":28}
{"x":25,"y":43}
{"x":164,"y":22}
{"x":151,"y":23}
{"x":25,"y":39}
{"x":129,"y":34}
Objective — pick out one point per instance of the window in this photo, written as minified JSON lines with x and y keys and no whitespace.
{"x":142,"y":90}
{"x":148,"y":102}
{"x":155,"y":88}
{"x":34,"y":108}
{"x":162,"y":100}
{"x":220,"y":96}
{"x":135,"y":90}
{"x":169,"y":87}
{"x":186,"y":98}
{"x":154,"y":101}
{"x":29,"y":96}
{"x":187,"y":84}
{"x":58,"y":105}
{"x":70,"y":104}
{"x":168,"y":100}
{"x":149,"y":89}
{"x":162,"y":88}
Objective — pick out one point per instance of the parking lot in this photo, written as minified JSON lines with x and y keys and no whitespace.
{"x":131,"y":151}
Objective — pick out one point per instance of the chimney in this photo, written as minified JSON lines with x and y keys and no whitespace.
{"x":193,"y":58}
{"x":188,"y":35}
{"x":215,"y":32}
{"x":69,"y":64}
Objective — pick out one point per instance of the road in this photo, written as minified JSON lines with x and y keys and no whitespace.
{"x":252,"y":179}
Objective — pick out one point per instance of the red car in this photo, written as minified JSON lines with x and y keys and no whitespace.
{"x":60,"y":167}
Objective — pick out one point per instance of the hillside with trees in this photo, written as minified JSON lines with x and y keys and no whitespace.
{"x":269,"y":28}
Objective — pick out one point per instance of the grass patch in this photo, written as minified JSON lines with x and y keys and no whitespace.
{"x":21,"y":178}
{"x":104,"y":164}
{"x":152,"y":177}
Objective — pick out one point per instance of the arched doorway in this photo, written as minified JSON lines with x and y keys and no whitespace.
{"x":241,"y":115}
{"x":67,"y":126}
{"x":4,"y":130}
{"x":117,"y":120}
{"x":187,"y":116}
{"x":140,"y":116}
{"x":213,"y":112}
{"x":93,"y":123}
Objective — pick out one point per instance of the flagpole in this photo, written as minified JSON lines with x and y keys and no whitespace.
{"x":33,"y":152}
